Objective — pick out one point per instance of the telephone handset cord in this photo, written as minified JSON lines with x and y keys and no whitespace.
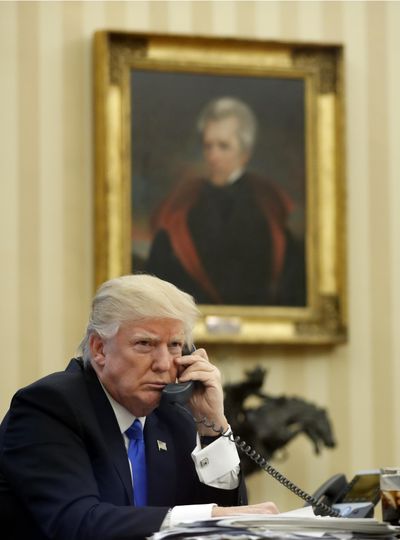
{"x":265,"y":466}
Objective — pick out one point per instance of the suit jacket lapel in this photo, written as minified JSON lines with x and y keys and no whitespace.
{"x":111,"y":433}
{"x":161,"y":463}
{"x":160,"y":445}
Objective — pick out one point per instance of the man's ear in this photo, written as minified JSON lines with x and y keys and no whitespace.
{"x":96,"y":344}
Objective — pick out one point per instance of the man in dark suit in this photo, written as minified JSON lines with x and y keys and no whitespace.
{"x":64,"y":467}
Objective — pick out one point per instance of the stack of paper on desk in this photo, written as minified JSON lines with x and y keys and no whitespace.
{"x":289,"y":526}
{"x":365,"y":527}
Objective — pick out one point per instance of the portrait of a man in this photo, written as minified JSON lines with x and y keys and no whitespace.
{"x":221,"y":230}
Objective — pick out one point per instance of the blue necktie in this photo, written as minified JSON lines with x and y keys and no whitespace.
{"x":137,"y":457}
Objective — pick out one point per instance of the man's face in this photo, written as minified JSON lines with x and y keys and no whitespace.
{"x":222,"y":150}
{"x":136,"y":364}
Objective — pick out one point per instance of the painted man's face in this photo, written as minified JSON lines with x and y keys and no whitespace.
{"x":222,"y":149}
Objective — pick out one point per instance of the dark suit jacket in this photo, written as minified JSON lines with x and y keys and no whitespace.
{"x":229,"y":244}
{"x":64,"y":468}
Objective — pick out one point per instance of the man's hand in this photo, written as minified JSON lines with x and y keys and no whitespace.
{"x":261,"y":508}
{"x":208,"y":399}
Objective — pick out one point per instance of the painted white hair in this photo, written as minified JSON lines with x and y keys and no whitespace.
{"x":227,"y":107}
{"x":134,"y":297}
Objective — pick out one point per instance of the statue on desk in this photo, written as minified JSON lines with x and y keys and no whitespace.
{"x":275,"y":422}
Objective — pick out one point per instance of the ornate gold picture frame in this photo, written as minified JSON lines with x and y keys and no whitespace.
{"x":151,"y":164}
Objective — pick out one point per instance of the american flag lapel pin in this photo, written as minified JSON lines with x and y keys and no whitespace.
{"x":161,"y":445}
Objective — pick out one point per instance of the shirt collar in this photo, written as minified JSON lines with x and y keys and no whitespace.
{"x":124,"y":418}
{"x":235,"y":176}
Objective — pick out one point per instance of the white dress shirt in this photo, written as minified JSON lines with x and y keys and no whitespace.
{"x":217,"y":465}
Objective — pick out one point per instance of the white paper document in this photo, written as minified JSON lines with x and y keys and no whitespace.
{"x":296,"y":524}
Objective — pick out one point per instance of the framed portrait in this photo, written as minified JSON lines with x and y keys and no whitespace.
{"x":219,"y":166}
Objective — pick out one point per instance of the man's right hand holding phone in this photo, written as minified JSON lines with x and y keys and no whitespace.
{"x":207,"y":400}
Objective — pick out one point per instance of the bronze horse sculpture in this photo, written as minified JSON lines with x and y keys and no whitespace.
{"x":275,"y":422}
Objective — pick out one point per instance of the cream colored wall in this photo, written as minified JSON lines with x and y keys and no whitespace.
{"x":46,"y":143}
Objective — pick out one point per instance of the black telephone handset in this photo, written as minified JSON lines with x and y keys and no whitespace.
{"x":179,"y":392}
{"x":330,"y":491}
{"x":333,"y":498}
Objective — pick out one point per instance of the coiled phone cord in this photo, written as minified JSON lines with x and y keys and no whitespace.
{"x":265,"y":466}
